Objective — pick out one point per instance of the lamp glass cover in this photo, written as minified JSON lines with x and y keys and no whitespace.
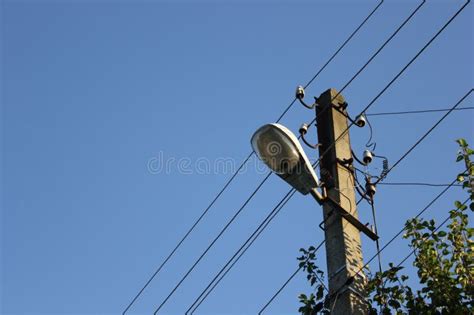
{"x":275,"y":149}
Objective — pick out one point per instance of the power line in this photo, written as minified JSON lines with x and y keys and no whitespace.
{"x":428,"y":132}
{"x":377,"y":243}
{"x":393,"y":80}
{"x":389,"y":84}
{"x":248,"y":157}
{"x":333,"y":56}
{"x":403,"y":156}
{"x":389,"y":170}
{"x":417,"y":184}
{"x":370,"y":60}
{"x":287,"y":281}
{"x":397,"y":234}
{"x":432,"y":233}
{"x":379,"y":50}
{"x":418,"y":111}
{"x":336,"y":293}
{"x":388,"y":40}
{"x":370,"y":260}
{"x":396,"y":77}
{"x":212,"y":243}
{"x":185,"y":236}
{"x":214,"y":282}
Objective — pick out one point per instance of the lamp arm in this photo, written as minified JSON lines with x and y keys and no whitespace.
{"x":319,"y":197}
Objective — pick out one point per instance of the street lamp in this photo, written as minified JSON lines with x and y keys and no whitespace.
{"x":281,"y":151}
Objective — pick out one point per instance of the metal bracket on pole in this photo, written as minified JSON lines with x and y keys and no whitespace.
{"x":353,"y":220}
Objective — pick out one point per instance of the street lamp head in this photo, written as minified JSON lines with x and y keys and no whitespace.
{"x":281,"y":151}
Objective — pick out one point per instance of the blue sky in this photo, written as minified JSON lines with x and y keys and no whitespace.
{"x":94,"y":92}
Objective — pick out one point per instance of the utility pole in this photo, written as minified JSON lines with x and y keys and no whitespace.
{"x":343,"y":245}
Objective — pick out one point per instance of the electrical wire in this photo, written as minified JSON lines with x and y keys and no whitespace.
{"x":240,"y":252}
{"x":377,"y":244}
{"x":388,"y":40}
{"x":287,"y":281}
{"x":432,"y":233}
{"x":396,"y":236}
{"x":366,"y":264}
{"x":212,"y":243}
{"x":416,"y":184}
{"x":218,"y":196}
{"x":371,"y":145}
{"x":401,"y":159}
{"x":246,"y":160}
{"x":417,"y":111}
{"x":395,"y":78}
{"x":406,"y":154}
{"x":334,"y":55}
{"x":185,"y":236}
{"x":397,"y":163}
{"x":366,"y":64}
{"x":373,"y":101}
{"x":429,"y":131}
{"x":412,"y":14}
{"x":398,"y":75}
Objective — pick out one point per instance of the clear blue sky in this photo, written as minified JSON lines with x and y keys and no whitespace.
{"x":92,"y":91}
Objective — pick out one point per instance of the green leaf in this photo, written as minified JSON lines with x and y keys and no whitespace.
{"x":320,"y":293}
{"x":462,"y":142}
{"x":442,"y":234}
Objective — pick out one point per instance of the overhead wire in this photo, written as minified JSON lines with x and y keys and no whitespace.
{"x":212,"y":243}
{"x":239,"y":253}
{"x":393,"y":80}
{"x":377,"y":243}
{"x":370,"y":260}
{"x":394,"y":237}
{"x":397,"y":163}
{"x":288,"y":281}
{"x":185,"y":236}
{"x":370,"y":144}
{"x":375,"y":54}
{"x":371,"y":59}
{"x":401,"y":72}
{"x":428,"y":132}
{"x":334,"y":55}
{"x":415,"y":184}
{"x":412,"y":14}
{"x":157,"y":271}
{"x":396,"y":76}
{"x":421,"y":111}
{"x":403,"y":157}
{"x":432,"y":233}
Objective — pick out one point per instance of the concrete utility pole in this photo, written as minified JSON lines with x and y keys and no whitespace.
{"x":343,"y":246}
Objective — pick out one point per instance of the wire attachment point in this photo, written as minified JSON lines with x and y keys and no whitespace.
{"x":304,"y":130}
{"x":299,"y":94}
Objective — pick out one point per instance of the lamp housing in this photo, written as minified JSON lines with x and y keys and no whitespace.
{"x":281,"y":151}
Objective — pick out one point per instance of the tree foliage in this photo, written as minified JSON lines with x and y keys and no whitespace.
{"x":444,"y":261}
